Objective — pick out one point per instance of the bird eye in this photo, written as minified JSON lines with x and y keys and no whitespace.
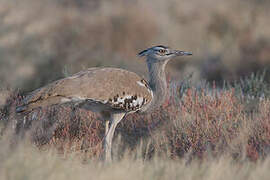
{"x":162,"y":51}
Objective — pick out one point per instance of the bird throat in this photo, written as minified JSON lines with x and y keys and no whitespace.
{"x":157,"y":82}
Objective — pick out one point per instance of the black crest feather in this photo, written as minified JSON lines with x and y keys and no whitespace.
{"x":161,"y":46}
{"x":142,"y":52}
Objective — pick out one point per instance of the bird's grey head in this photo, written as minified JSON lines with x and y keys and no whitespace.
{"x":162,"y":53}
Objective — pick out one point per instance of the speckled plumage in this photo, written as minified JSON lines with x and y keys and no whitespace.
{"x":115,"y":88}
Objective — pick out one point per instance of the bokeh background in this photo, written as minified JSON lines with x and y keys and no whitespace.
{"x":43,"y":40}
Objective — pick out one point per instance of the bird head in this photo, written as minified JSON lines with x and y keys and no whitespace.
{"x":162,"y":53}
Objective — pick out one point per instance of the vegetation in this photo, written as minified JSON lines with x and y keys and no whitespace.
{"x":202,"y":134}
{"x":24,"y":162}
{"x":215,"y":124}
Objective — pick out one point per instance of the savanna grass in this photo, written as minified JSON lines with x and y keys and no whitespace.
{"x":202,"y":123}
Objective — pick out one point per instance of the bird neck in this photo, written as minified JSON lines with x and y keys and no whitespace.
{"x":157,"y":82}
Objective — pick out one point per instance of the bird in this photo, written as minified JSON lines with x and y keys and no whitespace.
{"x":113,"y":92}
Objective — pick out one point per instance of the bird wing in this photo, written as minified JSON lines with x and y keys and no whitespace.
{"x":117,"y":88}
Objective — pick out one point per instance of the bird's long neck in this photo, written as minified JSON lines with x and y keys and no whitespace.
{"x":157,"y":82}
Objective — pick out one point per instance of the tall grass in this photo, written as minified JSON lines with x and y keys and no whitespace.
{"x":201,"y":122}
{"x":26,"y":162}
{"x":204,"y":133}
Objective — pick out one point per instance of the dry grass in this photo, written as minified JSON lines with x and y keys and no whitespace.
{"x":25,"y":162}
{"x":200,"y":122}
{"x":206,"y":133}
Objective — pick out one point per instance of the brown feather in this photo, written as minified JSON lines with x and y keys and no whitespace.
{"x":99,"y":84}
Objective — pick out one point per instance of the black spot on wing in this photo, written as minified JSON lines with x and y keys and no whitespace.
{"x":128,"y":103}
{"x":145,"y":83}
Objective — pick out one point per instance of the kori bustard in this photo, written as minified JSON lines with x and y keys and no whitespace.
{"x":111,"y":91}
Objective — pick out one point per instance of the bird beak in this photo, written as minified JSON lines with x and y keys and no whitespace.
{"x":182,"y":53}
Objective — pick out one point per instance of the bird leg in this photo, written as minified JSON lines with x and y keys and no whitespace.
{"x":107,"y":126}
{"x":109,"y":132}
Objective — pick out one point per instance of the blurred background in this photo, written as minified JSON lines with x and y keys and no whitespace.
{"x":43,"y":40}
